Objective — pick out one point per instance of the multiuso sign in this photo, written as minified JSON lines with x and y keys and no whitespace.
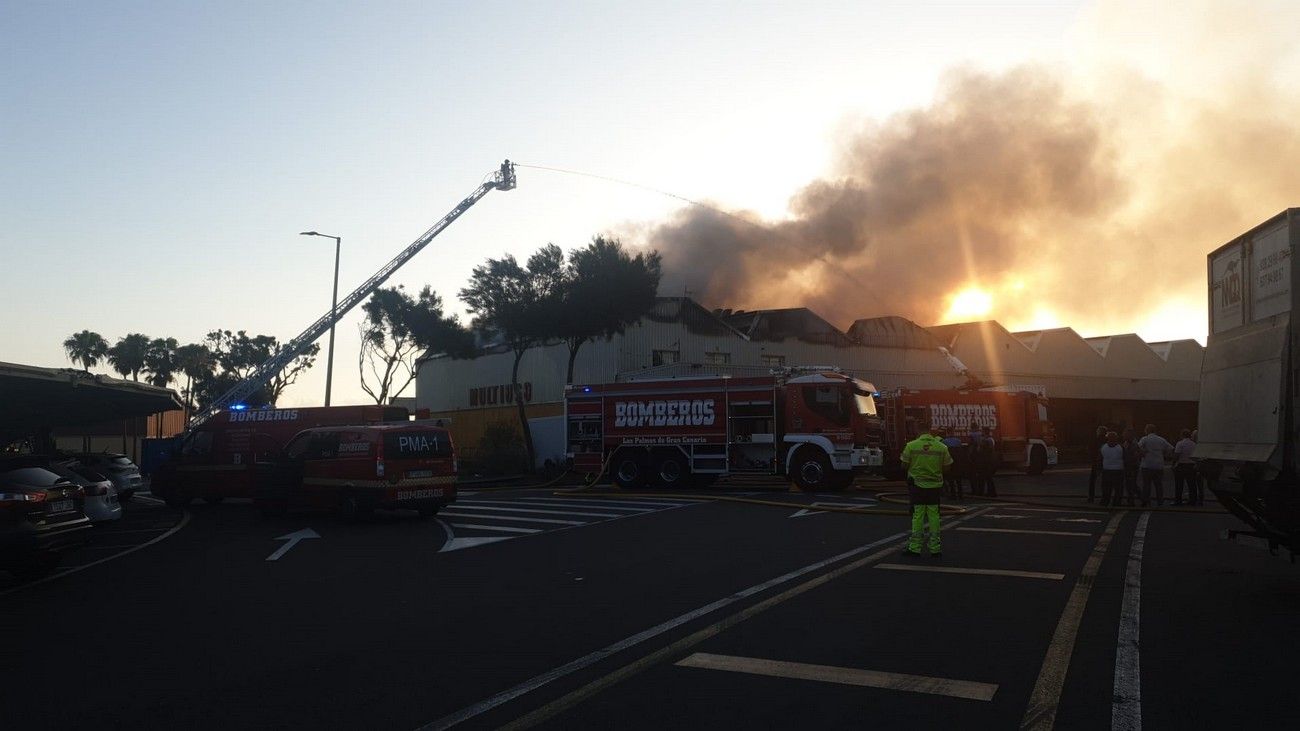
{"x":499,"y":395}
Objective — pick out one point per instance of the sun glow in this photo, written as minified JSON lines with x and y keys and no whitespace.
{"x":968,"y":304}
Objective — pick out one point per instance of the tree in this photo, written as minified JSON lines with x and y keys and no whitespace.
{"x":605,"y":290}
{"x":160,"y":361}
{"x":519,"y":304}
{"x":237,"y":355}
{"x":127,"y":356}
{"x":197,"y":363}
{"x":397,"y":328}
{"x":86,"y":348}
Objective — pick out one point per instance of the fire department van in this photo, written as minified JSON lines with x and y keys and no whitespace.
{"x":215,"y":461}
{"x":357,"y":469}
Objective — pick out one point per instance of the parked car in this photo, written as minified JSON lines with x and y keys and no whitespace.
{"x":119,"y":468}
{"x":101,"y":496}
{"x":41,"y":517}
{"x":356,"y":469}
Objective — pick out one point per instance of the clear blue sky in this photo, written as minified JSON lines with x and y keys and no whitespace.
{"x":158,"y":159}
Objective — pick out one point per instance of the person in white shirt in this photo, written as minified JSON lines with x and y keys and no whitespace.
{"x":1155,"y":449}
{"x":1112,"y":470}
{"x":1185,"y":470}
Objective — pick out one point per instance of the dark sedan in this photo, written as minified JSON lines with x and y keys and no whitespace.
{"x":40,"y":517}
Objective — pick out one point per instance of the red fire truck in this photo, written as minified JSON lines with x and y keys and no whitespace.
{"x":1025,"y":438}
{"x":216,"y":460}
{"x":818,"y":429}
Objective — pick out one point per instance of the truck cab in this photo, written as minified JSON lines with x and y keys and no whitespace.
{"x":836,"y":412}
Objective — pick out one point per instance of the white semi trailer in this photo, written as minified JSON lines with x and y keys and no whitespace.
{"x":1250,"y":381}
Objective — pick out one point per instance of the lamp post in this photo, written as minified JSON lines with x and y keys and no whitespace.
{"x":334,"y":306}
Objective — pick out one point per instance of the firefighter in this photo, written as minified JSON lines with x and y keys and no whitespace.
{"x":927,"y":459}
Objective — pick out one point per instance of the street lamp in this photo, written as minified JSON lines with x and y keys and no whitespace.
{"x":334,"y":306}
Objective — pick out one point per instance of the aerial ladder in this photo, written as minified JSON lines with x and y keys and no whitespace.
{"x":501,"y":179}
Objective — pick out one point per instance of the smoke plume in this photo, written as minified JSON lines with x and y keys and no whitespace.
{"x":1058,"y":201}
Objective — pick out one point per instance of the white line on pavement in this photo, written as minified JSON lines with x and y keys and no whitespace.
{"x":629,"y":501}
{"x":514,"y":518}
{"x":587,"y":504}
{"x":977,"y":572}
{"x":1030,"y":532}
{"x":712,"y":630}
{"x":1040,"y":714}
{"x":498,"y":528}
{"x":481,"y":505}
{"x":185,"y":519}
{"x":1126,"y":703}
{"x":843,"y":676}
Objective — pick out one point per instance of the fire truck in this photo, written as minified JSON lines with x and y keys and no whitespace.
{"x":818,"y":429}
{"x":1025,"y":438}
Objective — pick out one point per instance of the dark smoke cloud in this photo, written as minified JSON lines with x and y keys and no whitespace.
{"x":930,"y":201}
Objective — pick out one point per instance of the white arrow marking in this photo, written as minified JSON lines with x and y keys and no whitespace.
{"x":805,"y":511}
{"x":1076,"y":520}
{"x":292,"y":539}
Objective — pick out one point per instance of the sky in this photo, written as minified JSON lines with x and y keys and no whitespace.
{"x":157,"y":160}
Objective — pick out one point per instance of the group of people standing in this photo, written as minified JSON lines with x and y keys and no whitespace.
{"x":975,"y":459}
{"x":1134,"y":468}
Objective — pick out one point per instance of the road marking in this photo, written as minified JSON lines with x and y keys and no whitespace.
{"x":844,"y":676}
{"x":629,"y":501}
{"x":809,"y":510}
{"x":129,"y":530}
{"x":1076,"y":520}
{"x":515,"y":518}
{"x":1004,"y":516}
{"x":185,"y":519}
{"x":1029,"y":532}
{"x":482,"y":505}
{"x":607,"y":679}
{"x":456,"y":544}
{"x":292,"y":539}
{"x":148,"y":499}
{"x":1041,"y":712}
{"x":625,"y":508}
{"x":977,"y":572}
{"x":1126,"y":703}
{"x":98,"y":547}
{"x":497,"y":528}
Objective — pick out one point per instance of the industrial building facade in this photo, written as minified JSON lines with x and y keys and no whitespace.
{"x":1117,"y":381}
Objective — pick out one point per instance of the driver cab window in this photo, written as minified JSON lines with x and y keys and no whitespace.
{"x":829,"y":402}
{"x":321,"y":445}
{"x":198,"y":445}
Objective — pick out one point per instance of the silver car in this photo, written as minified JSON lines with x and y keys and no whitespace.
{"x":118,"y":468}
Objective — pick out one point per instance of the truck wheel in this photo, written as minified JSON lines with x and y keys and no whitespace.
{"x":671,"y":470}
{"x":629,"y":470}
{"x":1037,"y":461}
{"x":810,"y":470}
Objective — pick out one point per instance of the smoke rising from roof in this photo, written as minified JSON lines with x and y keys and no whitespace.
{"x":1071,"y":200}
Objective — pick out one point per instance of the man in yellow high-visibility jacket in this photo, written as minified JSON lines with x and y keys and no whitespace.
{"x":926,"y":459}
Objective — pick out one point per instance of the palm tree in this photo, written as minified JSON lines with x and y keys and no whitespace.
{"x":127,"y":356}
{"x":160,"y":361}
{"x":86,"y":348}
{"x":196,"y":362}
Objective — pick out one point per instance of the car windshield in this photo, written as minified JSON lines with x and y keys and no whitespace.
{"x":31,"y":476}
{"x":866,"y":403}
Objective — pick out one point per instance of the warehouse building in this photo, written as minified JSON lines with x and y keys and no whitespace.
{"x":1119,"y":380}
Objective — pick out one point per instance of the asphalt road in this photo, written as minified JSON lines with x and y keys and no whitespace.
{"x":527,"y":608}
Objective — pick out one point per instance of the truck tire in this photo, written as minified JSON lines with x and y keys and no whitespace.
{"x":810,"y":470}
{"x":671,"y":469}
{"x":1037,"y":461}
{"x":629,"y":470}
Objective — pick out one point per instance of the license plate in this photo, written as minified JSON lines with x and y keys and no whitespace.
{"x":59,"y":506}
{"x":419,"y":494}
{"x":419,"y":473}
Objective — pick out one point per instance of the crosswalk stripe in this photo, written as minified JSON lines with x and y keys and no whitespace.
{"x":574,"y":504}
{"x":630,"y":501}
{"x":482,"y":505}
{"x":515,"y":518}
{"x":498,"y":528}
